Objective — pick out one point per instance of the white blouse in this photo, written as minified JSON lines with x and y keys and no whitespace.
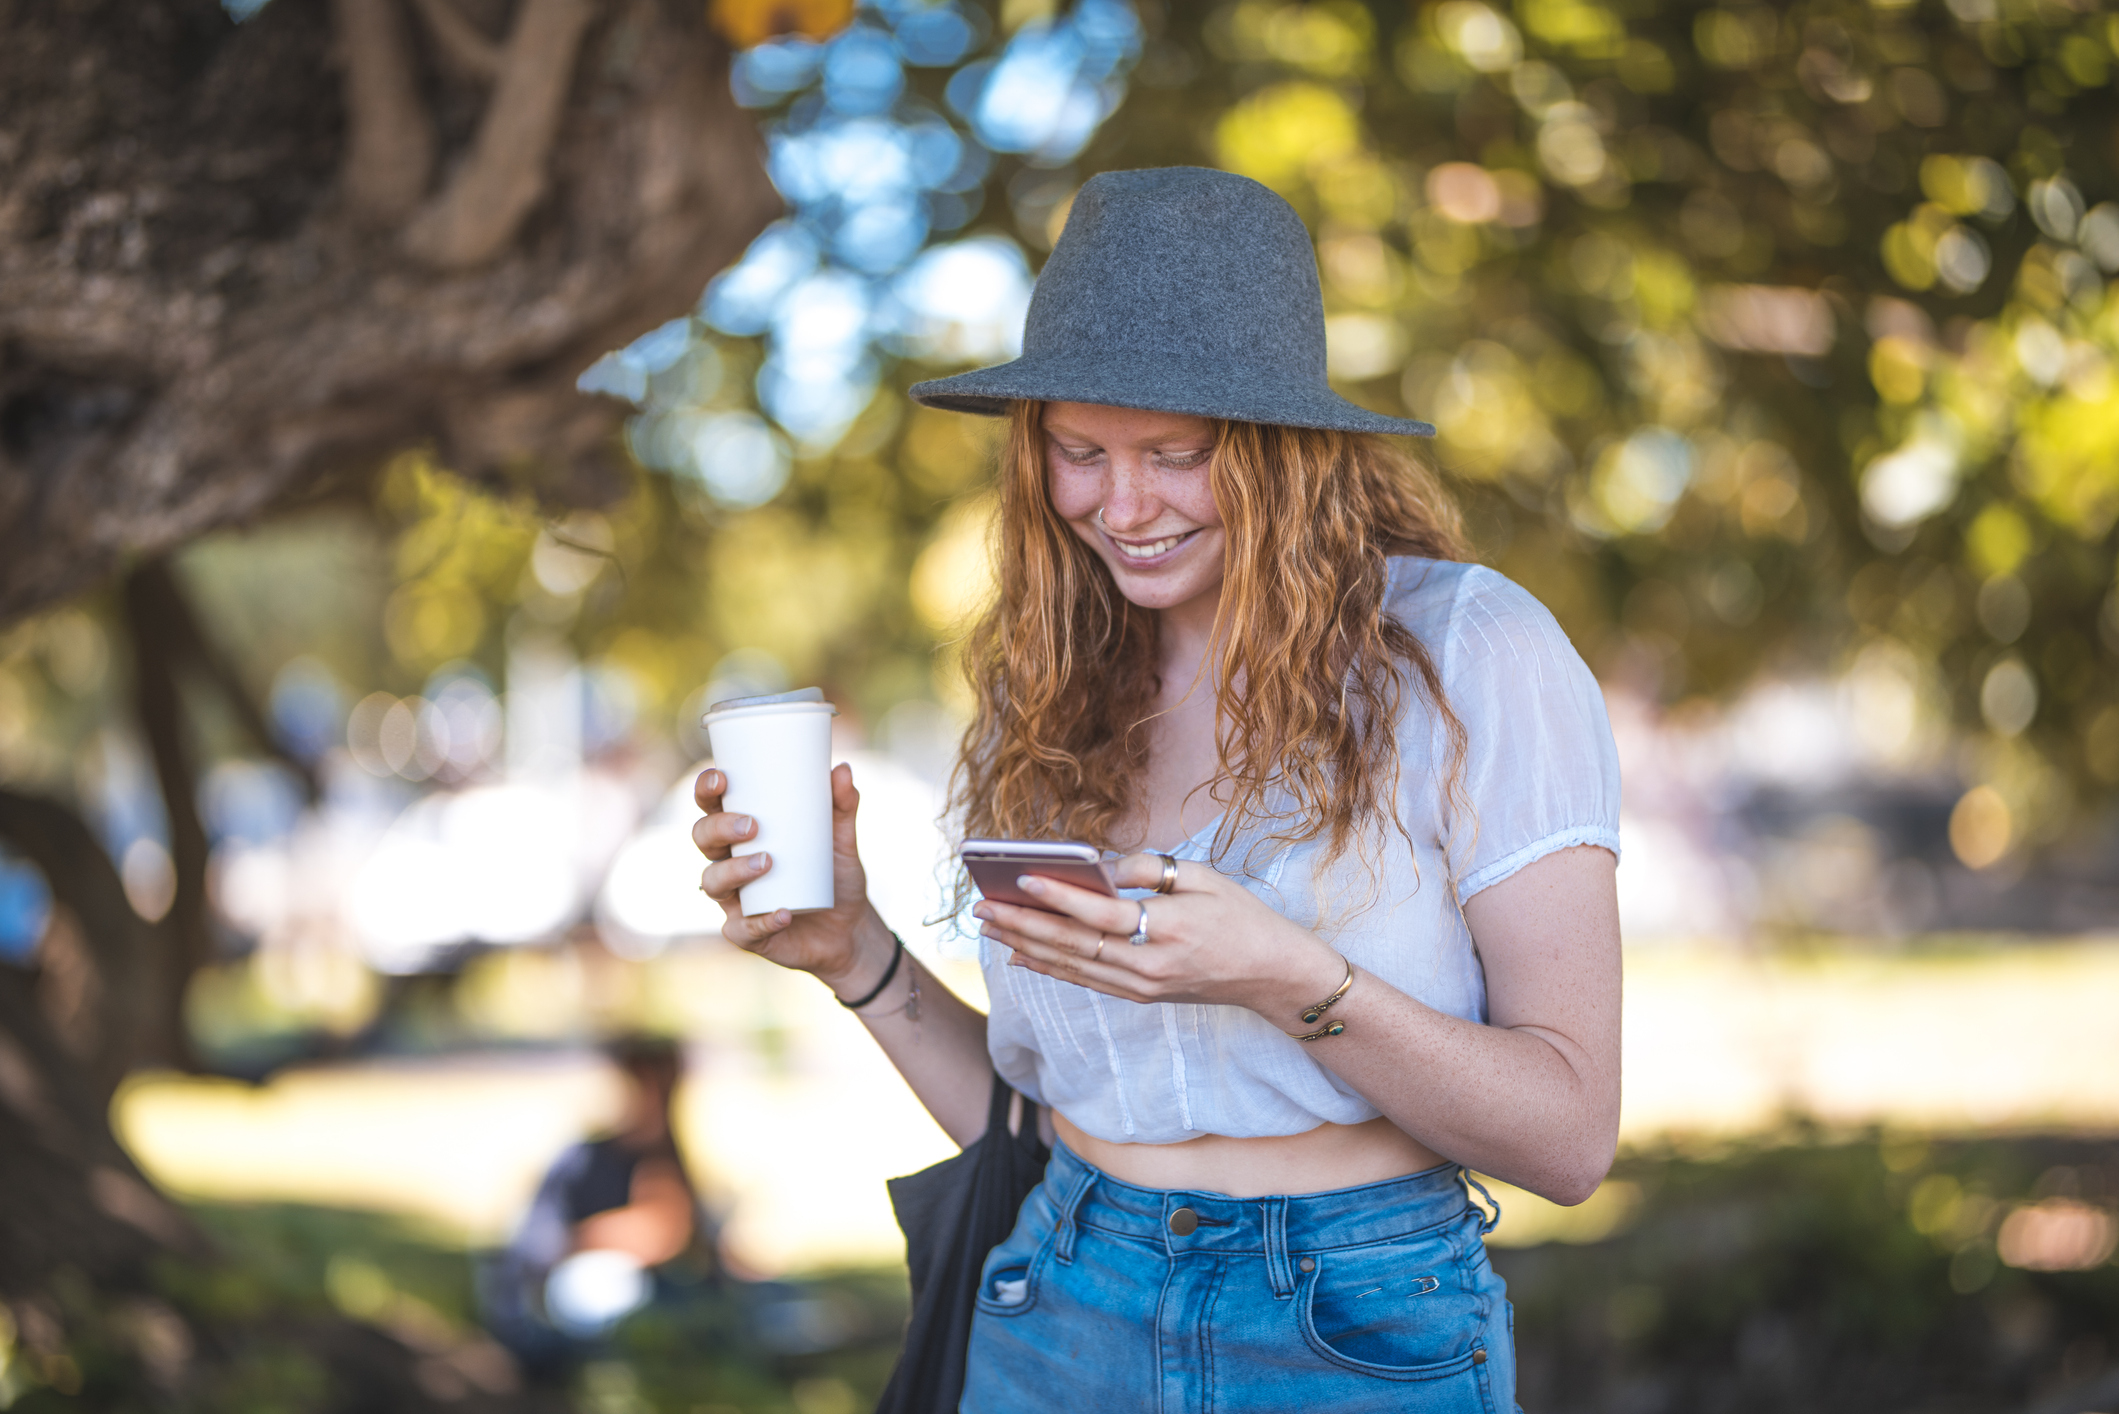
{"x":1541,"y":773}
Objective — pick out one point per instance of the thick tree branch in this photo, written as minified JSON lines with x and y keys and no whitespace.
{"x":477,"y":214}
{"x":150,"y":592}
{"x":120,"y":946}
{"x":463,"y":49}
{"x":389,"y":137}
{"x":192,"y":335}
{"x":188,"y":641}
{"x":64,"y":1173}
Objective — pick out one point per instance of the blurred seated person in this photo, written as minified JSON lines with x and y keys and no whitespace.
{"x":615,"y":1225}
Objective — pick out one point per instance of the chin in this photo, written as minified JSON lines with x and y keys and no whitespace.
{"x":1149,"y":590}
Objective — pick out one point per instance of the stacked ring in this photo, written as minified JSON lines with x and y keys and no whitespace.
{"x":1168,"y":883}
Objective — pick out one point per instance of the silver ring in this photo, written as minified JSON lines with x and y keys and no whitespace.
{"x":1140,"y":929}
{"x":1168,"y":883}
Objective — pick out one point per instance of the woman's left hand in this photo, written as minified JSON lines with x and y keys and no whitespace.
{"x":1209,"y":941}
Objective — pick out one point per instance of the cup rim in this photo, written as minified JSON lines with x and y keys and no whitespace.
{"x":776,"y":709}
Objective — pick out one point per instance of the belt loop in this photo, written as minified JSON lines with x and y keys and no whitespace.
{"x":1069,"y":1205}
{"x":1486,"y":1224}
{"x":1280,"y":1273}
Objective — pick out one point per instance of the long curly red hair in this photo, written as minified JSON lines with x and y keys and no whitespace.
{"x":1309,"y":672}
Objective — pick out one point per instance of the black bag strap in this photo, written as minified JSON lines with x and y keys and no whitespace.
{"x":1027,"y":1135}
{"x":997,"y":1107}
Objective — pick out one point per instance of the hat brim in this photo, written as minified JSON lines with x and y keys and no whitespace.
{"x":987,"y":392}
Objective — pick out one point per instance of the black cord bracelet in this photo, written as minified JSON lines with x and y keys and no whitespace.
{"x":888,"y":973}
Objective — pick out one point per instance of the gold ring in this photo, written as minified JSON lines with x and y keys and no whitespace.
{"x":1098,"y":955}
{"x":1168,"y":883}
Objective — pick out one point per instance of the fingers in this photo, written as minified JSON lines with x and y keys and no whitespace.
{"x":844,"y":798}
{"x":715,"y":833}
{"x":1079,"y":962}
{"x":755,"y":933}
{"x":1060,"y":956}
{"x":721,"y":879}
{"x":1145,"y":871}
{"x":709,"y":789}
{"x":1052,"y":931}
{"x":1105,"y":915}
{"x":1065,"y":947}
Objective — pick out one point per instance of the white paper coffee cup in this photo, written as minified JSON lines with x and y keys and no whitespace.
{"x":776,"y":755}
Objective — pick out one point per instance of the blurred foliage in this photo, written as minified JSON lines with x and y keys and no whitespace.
{"x":1760,"y":339}
{"x":747,"y":22}
{"x":1799,"y":1272}
{"x":261,"y":1331}
{"x":1758,"y":336}
{"x":1791,"y":1272}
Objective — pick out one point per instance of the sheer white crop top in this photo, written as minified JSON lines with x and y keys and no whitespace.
{"x":1541,"y":774}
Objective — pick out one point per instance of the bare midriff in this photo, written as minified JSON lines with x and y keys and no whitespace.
{"x":1329,"y":1156}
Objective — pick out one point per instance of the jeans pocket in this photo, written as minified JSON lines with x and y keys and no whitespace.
{"x":1008,"y":1279}
{"x":1401,"y":1310}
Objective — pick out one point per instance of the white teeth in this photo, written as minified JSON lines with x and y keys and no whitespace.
{"x":1145,"y":552}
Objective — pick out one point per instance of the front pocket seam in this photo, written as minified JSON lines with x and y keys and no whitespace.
{"x":1032,"y":1271}
{"x":1306,"y":1294}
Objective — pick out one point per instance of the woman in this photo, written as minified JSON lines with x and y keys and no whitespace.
{"x":1374,"y":794}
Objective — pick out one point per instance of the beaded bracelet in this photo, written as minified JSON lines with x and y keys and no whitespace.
{"x":1312,"y":1014}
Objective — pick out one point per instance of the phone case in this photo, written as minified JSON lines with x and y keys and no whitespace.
{"x":995,"y":865}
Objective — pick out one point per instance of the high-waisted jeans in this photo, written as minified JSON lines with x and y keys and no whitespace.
{"x":1112,"y":1297}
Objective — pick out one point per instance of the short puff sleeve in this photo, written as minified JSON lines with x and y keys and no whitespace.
{"x":1541,"y":772}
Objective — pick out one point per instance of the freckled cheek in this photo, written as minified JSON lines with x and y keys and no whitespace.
{"x":1075,"y":494}
{"x":1189,"y":493}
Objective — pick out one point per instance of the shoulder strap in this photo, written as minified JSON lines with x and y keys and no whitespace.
{"x":997,"y":1108}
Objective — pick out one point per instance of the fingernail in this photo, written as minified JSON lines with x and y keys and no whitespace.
{"x":742,"y":824}
{"x":758,"y":862}
{"x":1030,"y":883}
{"x":981,"y":911}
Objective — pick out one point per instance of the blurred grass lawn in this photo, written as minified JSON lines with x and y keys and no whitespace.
{"x":793,"y":1121}
{"x":1788,"y":1273}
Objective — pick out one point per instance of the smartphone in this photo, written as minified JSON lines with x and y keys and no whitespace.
{"x":995,"y":865}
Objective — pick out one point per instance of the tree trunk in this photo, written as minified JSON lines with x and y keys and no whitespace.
{"x":242,"y":264}
{"x":74,"y":1199}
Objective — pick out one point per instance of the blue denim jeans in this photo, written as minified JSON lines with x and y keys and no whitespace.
{"x":1112,"y":1297}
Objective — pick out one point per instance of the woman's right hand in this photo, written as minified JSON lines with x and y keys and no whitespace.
{"x":831,"y":943}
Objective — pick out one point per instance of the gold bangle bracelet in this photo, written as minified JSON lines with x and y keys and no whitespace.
{"x":1313,"y":1014}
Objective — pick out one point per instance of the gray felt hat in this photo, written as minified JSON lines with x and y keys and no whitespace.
{"x":1176,"y":289}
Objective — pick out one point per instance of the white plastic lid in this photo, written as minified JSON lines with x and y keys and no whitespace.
{"x":806,"y":696}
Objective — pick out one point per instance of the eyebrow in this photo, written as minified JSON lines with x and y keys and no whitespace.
{"x":1163,"y":441}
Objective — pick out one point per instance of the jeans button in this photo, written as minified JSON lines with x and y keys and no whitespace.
{"x":1183,"y":1222}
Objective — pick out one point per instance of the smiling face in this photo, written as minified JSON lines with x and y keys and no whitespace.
{"x":1147,"y":472}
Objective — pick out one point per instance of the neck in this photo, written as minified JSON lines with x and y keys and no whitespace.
{"x":1184,"y":635}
